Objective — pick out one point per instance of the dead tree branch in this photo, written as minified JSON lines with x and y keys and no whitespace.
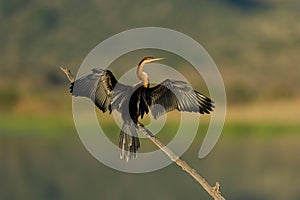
{"x":214,"y":191}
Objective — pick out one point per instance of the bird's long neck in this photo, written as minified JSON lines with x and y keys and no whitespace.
{"x":142,"y":76}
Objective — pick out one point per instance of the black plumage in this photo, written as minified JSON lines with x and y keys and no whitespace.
{"x":135,"y":101}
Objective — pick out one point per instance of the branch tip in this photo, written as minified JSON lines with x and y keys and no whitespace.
{"x":68,"y":74}
{"x":214,"y":191}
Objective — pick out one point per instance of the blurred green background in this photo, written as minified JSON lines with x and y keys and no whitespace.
{"x":255,"y":44}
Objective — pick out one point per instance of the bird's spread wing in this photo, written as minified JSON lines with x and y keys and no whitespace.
{"x":173,"y":94}
{"x":98,"y":86}
{"x":119,"y":96}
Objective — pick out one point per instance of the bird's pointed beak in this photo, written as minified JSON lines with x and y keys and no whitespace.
{"x":156,"y":59}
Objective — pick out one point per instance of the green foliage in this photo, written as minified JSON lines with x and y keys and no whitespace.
{"x":257,"y":48}
{"x":8,"y":97}
{"x":42,"y":21}
{"x":240,"y":93}
{"x":248,"y":4}
{"x":49,"y":126}
{"x":45,"y":18}
{"x":10,"y":7}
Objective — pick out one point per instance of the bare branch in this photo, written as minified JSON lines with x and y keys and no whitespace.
{"x":68,"y":74}
{"x":214,"y":192}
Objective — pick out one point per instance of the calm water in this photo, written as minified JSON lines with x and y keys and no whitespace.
{"x":248,"y":167}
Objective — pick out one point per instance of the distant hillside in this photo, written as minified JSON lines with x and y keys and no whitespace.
{"x":255,"y":44}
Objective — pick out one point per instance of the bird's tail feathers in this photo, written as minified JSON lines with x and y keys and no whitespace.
{"x":128,"y":142}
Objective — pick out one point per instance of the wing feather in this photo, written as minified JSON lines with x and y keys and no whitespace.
{"x":98,"y":86}
{"x":173,"y":94}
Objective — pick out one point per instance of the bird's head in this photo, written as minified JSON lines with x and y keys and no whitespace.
{"x":148,"y":60}
{"x":143,"y":75}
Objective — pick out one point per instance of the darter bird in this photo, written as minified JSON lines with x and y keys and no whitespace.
{"x":133,"y":102}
